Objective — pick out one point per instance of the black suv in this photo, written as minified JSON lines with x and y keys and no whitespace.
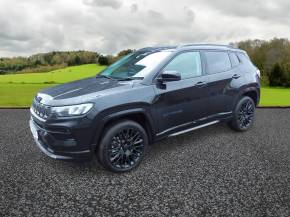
{"x":151,"y":94}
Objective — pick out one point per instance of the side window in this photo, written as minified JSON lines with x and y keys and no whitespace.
{"x":234,"y":59}
{"x":188,"y":64}
{"x":217,"y":61}
{"x":244,"y":58}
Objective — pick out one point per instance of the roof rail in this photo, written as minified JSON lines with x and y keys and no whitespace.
{"x":157,"y":48}
{"x":204,"y":44}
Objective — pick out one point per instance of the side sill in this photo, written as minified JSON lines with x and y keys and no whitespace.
{"x":193,"y":128}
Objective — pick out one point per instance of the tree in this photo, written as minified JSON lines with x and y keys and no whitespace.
{"x":77,"y":60}
{"x":286,"y":75}
{"x":276,"y":75}
{"x":265,"y":54}
{"x":103,"y":60}
{"x":124,"y":52}
{"x":56,"y":60}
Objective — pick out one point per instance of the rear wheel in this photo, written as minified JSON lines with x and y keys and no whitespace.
{"x":244,"y":114}
{"x":123,"y":146}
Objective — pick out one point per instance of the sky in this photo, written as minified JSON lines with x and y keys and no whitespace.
{"x":108,"y":26}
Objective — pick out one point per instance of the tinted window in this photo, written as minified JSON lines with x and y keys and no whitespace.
{"x":137,"y":64}
{"x":188,"y":64}
{"x":234,"y":59}
{"x":217,"y":61}
{"x":244,"y":58}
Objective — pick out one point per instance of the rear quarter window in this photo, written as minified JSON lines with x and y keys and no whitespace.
{"x":217,"y":61}
{"x":234,"y":59}
{"x":244,"y":58}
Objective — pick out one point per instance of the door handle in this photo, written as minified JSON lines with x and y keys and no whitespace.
{"x":236,"y":76}
{"x":200,"y":84}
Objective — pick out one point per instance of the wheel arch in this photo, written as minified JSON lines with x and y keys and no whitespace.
{"x":139,"y":115}
{"x":252,"y":92}
{"x":253,"y":95}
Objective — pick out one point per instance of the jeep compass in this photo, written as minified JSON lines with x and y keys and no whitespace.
{"x":148,"y":95}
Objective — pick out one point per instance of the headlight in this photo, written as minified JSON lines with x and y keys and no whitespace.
{"x":72,"y":110}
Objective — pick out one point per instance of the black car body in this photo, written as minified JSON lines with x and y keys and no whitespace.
{"x":169,"y":99}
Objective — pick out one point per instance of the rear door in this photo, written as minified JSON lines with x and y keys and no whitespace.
{"x":222,"y":79}
{"x":181,"y":102}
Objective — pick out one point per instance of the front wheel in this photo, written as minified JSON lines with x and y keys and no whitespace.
{"x":123,"y":146}
{"x":243,"y":117}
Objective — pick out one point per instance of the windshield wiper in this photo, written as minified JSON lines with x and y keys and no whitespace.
{"x":130,"y":78}
{"x":119,"y":79}
{"x":104,"y":76}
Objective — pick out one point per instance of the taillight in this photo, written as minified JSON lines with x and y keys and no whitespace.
{"x":258,"y":73}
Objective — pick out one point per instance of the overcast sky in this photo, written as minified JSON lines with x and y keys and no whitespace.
{"x":108,"y":26}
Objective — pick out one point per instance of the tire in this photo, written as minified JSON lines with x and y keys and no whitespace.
{"x":243,"y":115}
{"x":123,"y":146}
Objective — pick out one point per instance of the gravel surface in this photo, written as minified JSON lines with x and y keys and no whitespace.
{"x":209,"y":172}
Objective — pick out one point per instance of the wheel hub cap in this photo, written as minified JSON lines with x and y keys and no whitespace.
{"x":246,"y":114}
{"x":126,"y":148}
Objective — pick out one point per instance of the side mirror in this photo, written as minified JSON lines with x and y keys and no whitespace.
{"x":168,"y":76}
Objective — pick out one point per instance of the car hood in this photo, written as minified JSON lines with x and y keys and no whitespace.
{"x":82,"y":90}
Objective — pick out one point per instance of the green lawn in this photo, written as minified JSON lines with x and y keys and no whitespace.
{"x":18,"y":90}
{"x":57,"y":76}
{"x":271,"y":96}
{"x":19,"y":95}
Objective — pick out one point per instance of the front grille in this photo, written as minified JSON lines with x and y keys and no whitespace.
{"x":41,"y":110}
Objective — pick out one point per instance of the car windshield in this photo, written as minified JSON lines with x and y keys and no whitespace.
{"x":136,"y":65}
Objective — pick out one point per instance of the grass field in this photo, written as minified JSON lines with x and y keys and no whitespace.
{"x":57,"y":76}
{"x":271,"y":96}
{"x":18,"y":90}
{"x":19,"y":95}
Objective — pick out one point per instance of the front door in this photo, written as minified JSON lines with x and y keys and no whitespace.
{"x":181,"y":102}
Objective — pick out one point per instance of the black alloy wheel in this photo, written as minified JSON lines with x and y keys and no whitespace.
{"x":123,"y":146}
{"x":126,"y":148}
{"x":243,"y":115}
{"x":246,"y":113}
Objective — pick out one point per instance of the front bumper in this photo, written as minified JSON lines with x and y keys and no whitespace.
{"x":60,"y":144}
